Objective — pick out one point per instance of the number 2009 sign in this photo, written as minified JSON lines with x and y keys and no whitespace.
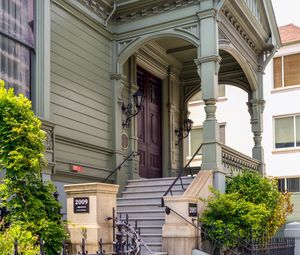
{"x":81,"y":205}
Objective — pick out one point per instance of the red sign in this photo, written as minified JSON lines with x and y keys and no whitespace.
{"x":77,"y":168}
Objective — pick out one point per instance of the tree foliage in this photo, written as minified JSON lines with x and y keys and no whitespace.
{"x":32,"y":206}
{"x":252,"y":207}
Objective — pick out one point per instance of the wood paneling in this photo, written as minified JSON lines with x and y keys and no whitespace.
{"x":81,"y":94}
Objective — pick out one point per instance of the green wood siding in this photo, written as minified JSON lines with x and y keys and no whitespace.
{"x":81,"y":94}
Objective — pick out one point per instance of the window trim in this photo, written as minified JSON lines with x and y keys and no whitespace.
{"x":285,"y":149}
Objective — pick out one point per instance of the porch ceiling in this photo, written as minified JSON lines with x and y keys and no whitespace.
{"x":184,"y":52}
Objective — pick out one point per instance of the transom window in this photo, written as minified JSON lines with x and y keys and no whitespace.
{"x":287,"y":132}
{"x":17,"y":44}
{"x":286,"y":71}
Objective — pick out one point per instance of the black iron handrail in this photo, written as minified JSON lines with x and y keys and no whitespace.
{"x":132,"y":154}
{"x":183,"y":170}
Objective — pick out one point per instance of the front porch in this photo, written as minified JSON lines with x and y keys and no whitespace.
{"x":197,"y":56}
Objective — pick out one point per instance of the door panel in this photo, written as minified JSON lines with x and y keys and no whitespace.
{"x":149,"y":126}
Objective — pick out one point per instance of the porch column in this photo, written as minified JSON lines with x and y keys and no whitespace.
{"x":118,"y":85}
{"x":256,"y":107}
{"x":208,"y":65}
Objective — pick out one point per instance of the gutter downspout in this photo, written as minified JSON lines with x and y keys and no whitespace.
{"x":110,"y":15}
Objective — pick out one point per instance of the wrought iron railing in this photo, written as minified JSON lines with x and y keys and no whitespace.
{"x":187,"y":168}
{"x":234,"y":161}
{"x":129,"y":157}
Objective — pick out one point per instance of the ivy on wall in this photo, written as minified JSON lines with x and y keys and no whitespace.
{"x":33,"y":210}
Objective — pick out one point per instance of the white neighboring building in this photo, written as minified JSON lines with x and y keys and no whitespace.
{"x":282,"y":115}
{"x":281,"y":137}
{"x":231,"y":116}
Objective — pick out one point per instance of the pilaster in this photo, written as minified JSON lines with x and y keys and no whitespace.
{"x":118,"y":85}
{"x":133,"y":132}
{"x":41,"y":81}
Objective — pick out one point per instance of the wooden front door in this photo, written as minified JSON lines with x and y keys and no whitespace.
{"x":149,"y":126}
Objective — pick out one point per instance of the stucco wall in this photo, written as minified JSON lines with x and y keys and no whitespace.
{"x":280,"y":162}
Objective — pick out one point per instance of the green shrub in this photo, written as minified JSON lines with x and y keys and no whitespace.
{"x":252,"y":207}
{"x":30,"y":201}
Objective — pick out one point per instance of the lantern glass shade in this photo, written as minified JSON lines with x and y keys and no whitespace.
{"x":188,"y":123}
{"x":138,"y":98}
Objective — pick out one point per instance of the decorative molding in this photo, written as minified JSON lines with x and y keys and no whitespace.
{"x":191,"y":29}
{"x":227,"y":13}
{"x":157,"y":8}
{"x":96,"y":6}
{"x":122,"y":45}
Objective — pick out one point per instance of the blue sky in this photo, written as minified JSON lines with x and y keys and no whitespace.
{"x":287,"y":11}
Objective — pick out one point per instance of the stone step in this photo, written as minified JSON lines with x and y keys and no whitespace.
{"x":154,"y":187}
{"x":141,"y":200}
{"x":151,"y":238}
{"x":149,"y":221}
{"x":164,"y":181}
{"x":160,"y":212}
{"x":138,"y":200}
{"x":141,"y":207}
{"x":150,"y":229}
{"x":150,"y":193}
{"x":154,"y":247}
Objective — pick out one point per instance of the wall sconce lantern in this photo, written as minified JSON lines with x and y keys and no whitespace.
{"x":127,"y":110}
{"x":182,"y":133}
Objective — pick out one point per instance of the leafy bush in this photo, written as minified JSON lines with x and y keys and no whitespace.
{"x":31,"y":203}
{"x":252,"y":207}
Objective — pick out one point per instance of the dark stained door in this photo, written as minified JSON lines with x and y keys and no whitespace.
{"x":149,"y":126}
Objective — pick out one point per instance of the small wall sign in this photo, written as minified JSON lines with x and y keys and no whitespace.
{"x":81,"y":204}
{"x":78,"y":169}
{"x":193,"y":210}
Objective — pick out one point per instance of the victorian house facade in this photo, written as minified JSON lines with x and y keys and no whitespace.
{"x":81,"y":62}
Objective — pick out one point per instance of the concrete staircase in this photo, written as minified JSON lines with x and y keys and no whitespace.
{"x":141,"y":200}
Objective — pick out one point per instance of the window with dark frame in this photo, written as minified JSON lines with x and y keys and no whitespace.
{"x":290,"y":184}
{"x":17,"y":42}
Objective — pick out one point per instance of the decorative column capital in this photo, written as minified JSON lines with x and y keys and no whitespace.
{"x":207,"y":14}
{"x":214,"y":58}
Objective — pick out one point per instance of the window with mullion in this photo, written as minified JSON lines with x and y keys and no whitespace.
{"x":17,"y":44}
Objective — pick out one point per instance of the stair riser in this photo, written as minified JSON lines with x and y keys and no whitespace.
{"x":161,"y":181}
{"x":154,"y":248}
{"x":150,"y":194}
{"x":147,"y":222}
{"x":137,"y":207}
{"x":138,"y":201}
{"x":149,"y":230}
{"x":139,"y":215}
{"x":152,"y":239}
